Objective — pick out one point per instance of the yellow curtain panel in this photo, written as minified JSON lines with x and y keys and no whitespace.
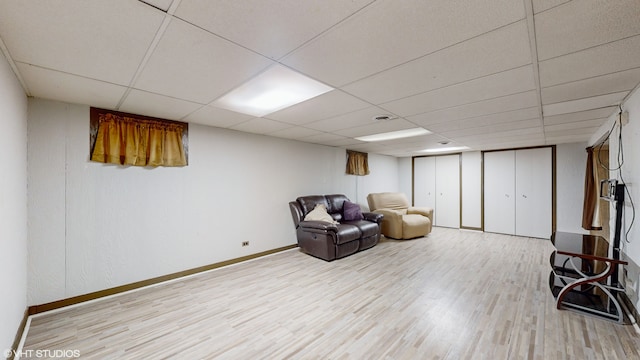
{"x":357,"y":163}
{"x":139,"y":142}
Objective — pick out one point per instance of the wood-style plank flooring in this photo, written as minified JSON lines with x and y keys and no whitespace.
{"x":452,"y":295}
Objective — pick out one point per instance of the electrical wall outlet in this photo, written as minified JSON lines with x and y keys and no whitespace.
{"x":245,"y":243}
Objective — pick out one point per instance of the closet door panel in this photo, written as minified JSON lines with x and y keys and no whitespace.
{"x":447,"y":210}
{"x":499,"y":191}
{"x":533,"y":192}
{"x":424,"y":181}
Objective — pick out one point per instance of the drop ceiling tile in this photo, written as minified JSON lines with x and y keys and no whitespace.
{"x":575,"y":125}
{"x":145,"y":103}
{"x":493,"y":106}
{"x":160,"y":4}
{"x":55,"y":85}
{"x":579,"y":25}
{"x":534,"y":132}
{"x":580,"y":116}
{"x":565,"y":139}
{"x":585,"y":131}
{"x":492,"y":119}
{"x":104,"y":40}
{"x":600,"y":85}
{"x":594,"y":102}
{"x":502,"y":49}
{"x":542,"y":5}
{"x":260,"y":126}
{"x":343,"y":142}
{"x":348,"y":120}
{"x":270,"y":27}
{"x":213,"y":116}
{"x":488,"y":87}
{"x":389,"y":33}
{"x":323,"y":138}
{"x":325,"y":106}
{"x":600,"y":60}
{"x":295,"y":132}
{"x":192,"y":64}
{"x":377,"y":128}
{"x":489,"y":129}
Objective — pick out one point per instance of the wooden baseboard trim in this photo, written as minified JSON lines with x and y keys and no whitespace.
{"x":36,"y":309}
{"x":19,"y":333}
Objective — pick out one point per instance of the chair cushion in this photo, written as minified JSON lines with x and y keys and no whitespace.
{"x":414,"y":226}
{"x":348,"y":232}
{"x":387,"y":200}
{"x":367,"y":228}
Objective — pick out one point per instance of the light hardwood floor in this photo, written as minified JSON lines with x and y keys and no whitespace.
{"x":452,"y":295}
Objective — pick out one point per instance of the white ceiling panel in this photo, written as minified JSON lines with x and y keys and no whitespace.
{"x":542,"y":5}
{"x":192,"y":64}
{"x":295,"y":132}
{"x":580,"y":116}
{"x":145,"y":103}
{"x":462,"y":69}
{"x":595,"y":123}
{"x":160,"y":4}
{"x":594,"y":102}
{"x":492,"y":119}
{"x":349,"y":120}
{"x":600,"y":60}
{"x":213,"y":116}
{"x":105,"y":40}
{"x":260,"y":126}
{"x":502,"y":49}
{"x":514,"y":125}
{"x":325,"y":106}
{"x":370,"y":41}
{"x":488,"y":87}
{"x":55,"y":85}
{"x":272,"y":28}
{"x":600,"y":85}
{"x":493,"y":106}
{"x":377,"y":128}
{"x":583,"y":24}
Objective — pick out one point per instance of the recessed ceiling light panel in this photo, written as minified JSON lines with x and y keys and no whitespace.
{"x":394,"y":135}
{"x":275,"y":89}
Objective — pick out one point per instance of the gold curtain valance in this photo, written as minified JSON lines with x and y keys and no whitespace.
{"x":357,"y":163}
{"x":125,"y":139}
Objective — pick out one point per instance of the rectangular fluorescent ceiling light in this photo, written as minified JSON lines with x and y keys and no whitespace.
{"x":275,"y":89}
{"x":445,"y":149}
{"x":395,"y":135}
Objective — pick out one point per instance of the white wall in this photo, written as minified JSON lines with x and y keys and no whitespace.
{"x":96,"y":226}
{"x":630,"y":172}
{"x":471,"y":189}
{"x":13,"y":204}
{"x":405,"y":176}
{"x":571,"y":162}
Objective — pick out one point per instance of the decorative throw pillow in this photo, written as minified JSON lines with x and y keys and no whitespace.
{"x":351,"y":211}
{"x":319,"y":213}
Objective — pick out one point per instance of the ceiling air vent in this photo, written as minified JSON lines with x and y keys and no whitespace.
{"x":383,"y":117}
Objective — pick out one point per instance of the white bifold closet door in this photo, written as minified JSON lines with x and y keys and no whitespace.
{"x":518,"y":192}
{"x":534,"y":192}
{"x":499,"y":192}
{"x":436,"y":184}
{"x":447,"y":211}
{"x":424,"y":180}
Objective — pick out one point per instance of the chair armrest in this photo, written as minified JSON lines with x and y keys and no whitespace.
{"x":390,"y":214}
{"x":373,"y":217}
{"x":424,"y":211}
{"x":318,"y":226}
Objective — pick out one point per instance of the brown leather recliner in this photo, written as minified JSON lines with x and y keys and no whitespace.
{"x":330,"y":241}
{"x":401,"y":221}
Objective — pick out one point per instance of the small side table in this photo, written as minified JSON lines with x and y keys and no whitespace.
{"x":580,"y":278}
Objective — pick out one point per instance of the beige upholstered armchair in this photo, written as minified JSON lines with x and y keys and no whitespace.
{"x":400,"y":221}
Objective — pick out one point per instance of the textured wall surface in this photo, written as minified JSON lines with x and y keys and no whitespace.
{"x":97,"y":226}
{"x":13,"y":204}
